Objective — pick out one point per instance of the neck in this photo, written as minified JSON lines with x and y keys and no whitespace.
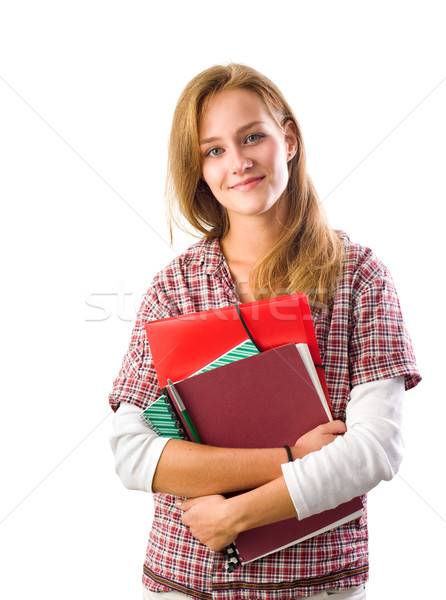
{"x":246,"y":241}
{"x":249,"y":237}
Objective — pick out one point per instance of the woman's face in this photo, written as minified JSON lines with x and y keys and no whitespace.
{"x":244,"y":153}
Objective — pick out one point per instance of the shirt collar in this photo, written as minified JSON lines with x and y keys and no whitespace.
{"x":207,"y":253}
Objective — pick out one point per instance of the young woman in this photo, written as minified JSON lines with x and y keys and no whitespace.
{"x":237,"y":174}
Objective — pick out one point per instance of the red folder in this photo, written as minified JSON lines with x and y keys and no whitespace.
{"x":266,"y":400}
{"x":183,"y":344}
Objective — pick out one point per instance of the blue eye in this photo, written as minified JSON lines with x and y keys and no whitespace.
{"x":254,"y":137}
{"x":214,"y":152}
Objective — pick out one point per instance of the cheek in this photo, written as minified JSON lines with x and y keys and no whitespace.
{"x":274,"y":154}
{"x":280,"y":165}
{"x":213,"y":174}
{"x":207,"y":172}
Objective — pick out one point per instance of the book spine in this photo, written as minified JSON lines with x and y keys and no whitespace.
{"x":181,"y":415}
{"x":232,"y":559}
{"x":163,"y":419}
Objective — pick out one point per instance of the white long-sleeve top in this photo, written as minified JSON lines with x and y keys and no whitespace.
{"x":136,"y":448}
{"x":370,"y":451}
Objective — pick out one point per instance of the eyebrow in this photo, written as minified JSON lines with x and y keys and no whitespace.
{"x":239,"y":130}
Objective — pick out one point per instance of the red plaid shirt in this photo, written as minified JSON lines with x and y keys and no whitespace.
{"x":361,"y":338}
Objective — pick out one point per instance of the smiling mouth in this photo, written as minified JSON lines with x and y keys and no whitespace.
{"x":247,"y":184}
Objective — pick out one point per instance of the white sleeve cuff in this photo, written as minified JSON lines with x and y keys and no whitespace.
{"x":371,"y":450}
{"x":136,"y":448}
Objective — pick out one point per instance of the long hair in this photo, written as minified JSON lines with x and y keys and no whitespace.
{"x":307,"y":255}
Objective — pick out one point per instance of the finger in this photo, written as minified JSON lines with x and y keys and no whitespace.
{"x":190,"y":502}
{"x":336,"y":427}
{"x":185,"y":504}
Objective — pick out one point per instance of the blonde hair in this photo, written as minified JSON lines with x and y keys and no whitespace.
{"x":307,"y":255}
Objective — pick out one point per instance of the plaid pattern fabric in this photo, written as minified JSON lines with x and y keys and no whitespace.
{"x":361,"y":338}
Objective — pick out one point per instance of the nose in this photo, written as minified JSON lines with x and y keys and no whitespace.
{"x":240,"y":162}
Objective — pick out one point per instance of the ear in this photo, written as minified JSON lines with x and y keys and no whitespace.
{"x":290,"y":132}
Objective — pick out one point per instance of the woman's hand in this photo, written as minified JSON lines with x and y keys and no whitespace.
{"x":208,"y":521}
{"x":318,"y":437}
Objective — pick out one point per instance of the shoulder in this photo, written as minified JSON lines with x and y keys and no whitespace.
{"x":178,"y":287}
{"x":361,"y":265}
{"x":204,"y":255}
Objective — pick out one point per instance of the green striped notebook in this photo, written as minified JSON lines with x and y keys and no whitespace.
{"x":159,"y":414}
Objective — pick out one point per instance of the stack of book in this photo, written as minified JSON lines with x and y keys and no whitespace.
{"x":264,"y":388}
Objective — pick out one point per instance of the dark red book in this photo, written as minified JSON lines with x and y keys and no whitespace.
{"x":266,"y":400}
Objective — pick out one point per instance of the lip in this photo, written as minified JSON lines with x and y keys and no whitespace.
{"x":247,"y":184}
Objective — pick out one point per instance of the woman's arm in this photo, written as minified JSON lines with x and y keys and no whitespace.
{"x":216,"y":521}
{"x":144,"y":461}
{"x":147,"y":462}
{"x":189,"y":469}
{"x":370,"y":451}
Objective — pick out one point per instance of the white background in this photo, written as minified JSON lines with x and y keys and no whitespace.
{"x":87,"y":91}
